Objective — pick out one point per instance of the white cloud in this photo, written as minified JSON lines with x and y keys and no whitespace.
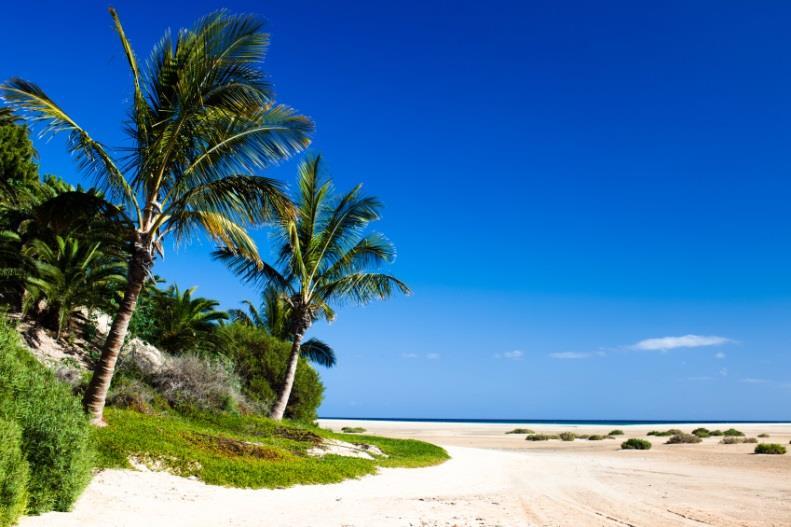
{"x":686,"y":341}
{"x":719,"y":355}
{"x":432,"y":356}
{"x":572,"y":355}
{"x":753,"y":380}
{"x":510,"y":355}
{"x":409,"y":355}
{"x":724,"y":372}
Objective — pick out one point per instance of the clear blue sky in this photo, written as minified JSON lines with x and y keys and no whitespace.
{"x":563,"y":180}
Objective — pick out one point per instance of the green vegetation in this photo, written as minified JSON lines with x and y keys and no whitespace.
{"x":716,"y":433}
{"x":735,"y":440}
{"x":683,"y":438}
{"x":770,"y":448}
{"x":55,"y":434}
{"x":201,"y":119}
{"x":540,"y":437}
{"x":13,"y":474}
{"x":353,"y":430}
{"x":520,"y":431}
{"x":636,"y":444}
{"x":763,"y":435}
{"x":567,"y":436}
{"x":325,"y":259}
{"x":732,"y":432}
{"x":615,"y":433}
{"x":244,"y":451}
{"x":701,"y":432}
{"x":596,"y":437}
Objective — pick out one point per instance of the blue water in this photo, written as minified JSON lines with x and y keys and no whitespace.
{"x":612,"y":422}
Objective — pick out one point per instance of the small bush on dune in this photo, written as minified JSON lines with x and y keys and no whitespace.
{"x":540,"y":437}
{"x":596,"y":437}
{"x":701,"y":432}
{"x":763,"y":435}
{"x":736,"y":440}
{"x":56,"y":437}
{"x":582,"y":436}
{"x":567,"y":436}
{"x":732,"y":432}
{"x":716,"y":433}
{"x":615,"y":433}
{"x":666,"y":433}
{"x":770,"y":448}
{"x":683,"y":438}
{"x":13,"y":474}
{"x":636,"y":444}
{"x":353,"y":430}
{"x":190,"y":382}
{"x":520,"y":431}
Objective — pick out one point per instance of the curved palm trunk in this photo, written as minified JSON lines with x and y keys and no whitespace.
{"x":95,"y":396}
{"x":282,"y":400}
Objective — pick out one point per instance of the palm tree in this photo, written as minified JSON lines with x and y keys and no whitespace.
{"x":202,"y":119}
{"x":185,"y":322}
{"x":324,"y":260}
{"x":272,"y":318}
{"x":69,"y":274}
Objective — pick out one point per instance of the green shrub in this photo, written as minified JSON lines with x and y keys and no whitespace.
{"x":261,"y":363}
{"x":582,"y":436}
{"x":615,"y":433}
{"x":540,"y":437}
{"x":732,"y":432}
{"x":763,"y":435}
{"x":636,"y":444}
{"x":716,"y":433}
{"x":520,"y":431}
{"x":770,"y":448}
{"x":683,"y":438}
{"x":750,"y":440}
{"x":56,"y":438}
{"x":353,"y":430}
{"x":666,"y":433}
{"x":567,"y":436}
{"x":701,"y":432}
{"x":13,"y":474}
{"x":596,"y":437}
{"x":731,"y":440}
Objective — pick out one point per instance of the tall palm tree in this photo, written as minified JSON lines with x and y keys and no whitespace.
{"x":325,"y":259}
{"x":202,"y":119}
{"x":272,"y":318}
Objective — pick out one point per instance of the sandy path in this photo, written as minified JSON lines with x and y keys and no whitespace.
{"x":510,"y":483}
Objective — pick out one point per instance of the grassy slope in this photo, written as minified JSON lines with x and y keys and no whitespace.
{"x":245,"y":451}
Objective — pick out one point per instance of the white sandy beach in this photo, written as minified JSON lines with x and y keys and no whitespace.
{"x":493,"y":479}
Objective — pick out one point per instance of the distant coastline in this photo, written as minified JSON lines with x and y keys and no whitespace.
{"x":581,"y":422}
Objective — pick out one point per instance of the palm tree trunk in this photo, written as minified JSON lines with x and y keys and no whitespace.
{"x":95,"y":396}
{"x":282,"y":400}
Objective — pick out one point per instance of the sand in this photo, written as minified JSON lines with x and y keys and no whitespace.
{"x":493,"y":479}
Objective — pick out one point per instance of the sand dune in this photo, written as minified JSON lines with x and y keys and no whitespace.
{"x":492,"y":480}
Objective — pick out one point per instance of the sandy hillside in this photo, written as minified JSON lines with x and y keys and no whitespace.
{"x":493,"y":479}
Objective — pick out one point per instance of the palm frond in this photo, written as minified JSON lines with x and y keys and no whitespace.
{"x":318,"y":352}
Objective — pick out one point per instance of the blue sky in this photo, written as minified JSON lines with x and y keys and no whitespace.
{"x":563,"y":181}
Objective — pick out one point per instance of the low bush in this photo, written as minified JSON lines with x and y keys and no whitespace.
{"x":636,"y":444}
{"x":770,"y":448}
{"x":134,"y":394}
{"x":582,"y":436}
{"x":736,"y":440}
{"x":189,"y":382}
{"x":596,"y":437}
{"x":666,"y":433}
{"x":615,"y":432}
{"x":540,"y":437}
{"x":732,"y":432}
{"x":716,"y":433}
{"x":520,"y":431}
{"x":353,"y":430}
{"x":567,"y":436}
{"x":763,"y":435}
{"x":13,"y":474}
{"x":261,"y":361}
{"x":56,"y":436}
{"x":701,"y":432}
{"x":677,"y":439}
